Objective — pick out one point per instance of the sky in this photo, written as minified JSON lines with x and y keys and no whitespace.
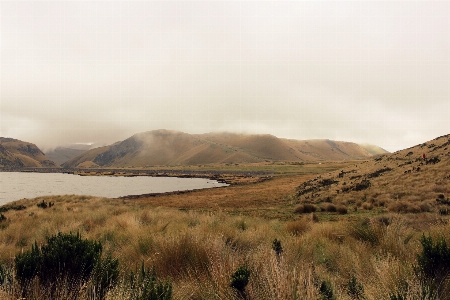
{"x":100,"y":71}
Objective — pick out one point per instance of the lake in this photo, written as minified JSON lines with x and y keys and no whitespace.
{"x":19,"y":185}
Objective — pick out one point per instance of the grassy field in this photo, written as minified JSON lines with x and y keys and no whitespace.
{"x":198,"y":240}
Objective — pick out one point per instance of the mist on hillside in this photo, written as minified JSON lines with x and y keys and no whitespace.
{"x":101,"y":71}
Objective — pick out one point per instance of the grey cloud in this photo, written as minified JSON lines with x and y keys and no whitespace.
{"x":373,"y":72}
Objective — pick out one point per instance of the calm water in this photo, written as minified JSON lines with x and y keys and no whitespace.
{"x":17,"y":185}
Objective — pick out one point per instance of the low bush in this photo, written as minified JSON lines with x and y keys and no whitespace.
{"x":326,"y":291}
{"x":144,"y":285}
{"x":105,"y":275}
{"x":405,"y":207}
{"x":5,"y":275}
{"x":305,"y":208}
{"x":6,"y":208}
{"x":67,"y":260}
{"x":240,"y":279}
{"x":44,"y":204}
{"x":276,"y":246}
{"x":328,"y":207}
{"x":433,"y":266}
{"x":354,"y":289}
{"x":342,"y":209}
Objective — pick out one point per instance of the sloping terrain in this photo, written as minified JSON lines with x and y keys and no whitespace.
{"x":372,"y":149}
{"x":403,"y":182}
{"x":62,"y":154}
{"x":170,"y":148}
{"x":16,"y":154}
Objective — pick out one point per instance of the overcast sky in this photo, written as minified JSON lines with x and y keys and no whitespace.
{"x":101,"y":71}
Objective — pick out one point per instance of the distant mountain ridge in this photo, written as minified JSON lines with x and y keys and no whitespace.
{"x":165,"y":147}
{"x":62,"y":154}
{"x":17,"y":154}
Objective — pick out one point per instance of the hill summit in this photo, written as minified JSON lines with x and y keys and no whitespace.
{"x":170,"y":148}
{"x":17,"y":154}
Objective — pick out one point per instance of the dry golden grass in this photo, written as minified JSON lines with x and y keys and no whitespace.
{"x":401,"y":182}
{"x":200,"y":250}
{"x":199,"y":239}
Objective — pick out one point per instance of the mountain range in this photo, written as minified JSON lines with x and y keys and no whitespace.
{"x":171,"y":148}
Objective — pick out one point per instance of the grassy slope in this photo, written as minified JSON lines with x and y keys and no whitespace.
{"x":162,"y":147}
{"x":399,"y":182}
{"x":85,"y":156}
{"x":199,"y":239}
{"x":29,"y":154}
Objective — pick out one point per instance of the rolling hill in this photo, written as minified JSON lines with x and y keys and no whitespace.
{"x":401,"y":182}
{"x":170,"y":148}
{"x":16,"y":154}
{"x":62,"y":154}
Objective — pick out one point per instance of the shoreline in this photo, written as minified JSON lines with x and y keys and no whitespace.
{"x":228,"y":177}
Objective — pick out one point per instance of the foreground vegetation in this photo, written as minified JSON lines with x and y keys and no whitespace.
{"x":213,"y":254}
{"x":377,"y":229}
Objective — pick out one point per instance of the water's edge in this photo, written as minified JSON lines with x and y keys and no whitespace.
{"x":110,"y":184}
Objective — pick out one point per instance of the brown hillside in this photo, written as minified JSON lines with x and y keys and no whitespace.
{"x":399,"y":182}
{"x":85,"y":156}
{"x":164,"y":147}
{"x":15,"y":154}
{"x":62,"y":154}
{"x":372,"y":149}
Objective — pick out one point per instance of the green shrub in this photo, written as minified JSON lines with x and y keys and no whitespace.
{"x":27,"y":265}
{"x":433,"y":266}
{"x":240,"y":278}
{"x":145,"y":286}
{"x":66,"y":260}
{"x":366,"y":232}
{"x":397,"y":297}
{"x":354,"y":289}
{"x":276,"y":246}
{"x":105,"y":275}
{"x":326,"y":291}
{"x":69,"y":256}
{"x":5,"y":275}
{"x":6,"y":208}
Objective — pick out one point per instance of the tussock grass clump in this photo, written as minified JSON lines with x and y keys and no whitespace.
{"x":341,"y":209}
{"x":328,"y":207}
{"x":198,"y":251}
{"x":367,"y":206}
{"x":178,"y":257}
{"x":408,"y":207}
{"x":366,"y":231}
{"x":305,"y":208}
{"x":298,"y":227}
{"x":433,"y":265}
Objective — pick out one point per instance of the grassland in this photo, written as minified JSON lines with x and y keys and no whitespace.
{"x":364,"y":248}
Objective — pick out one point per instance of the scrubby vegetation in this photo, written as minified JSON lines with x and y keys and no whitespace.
{"x":165,"y":253}
{"x":373,"y":230}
